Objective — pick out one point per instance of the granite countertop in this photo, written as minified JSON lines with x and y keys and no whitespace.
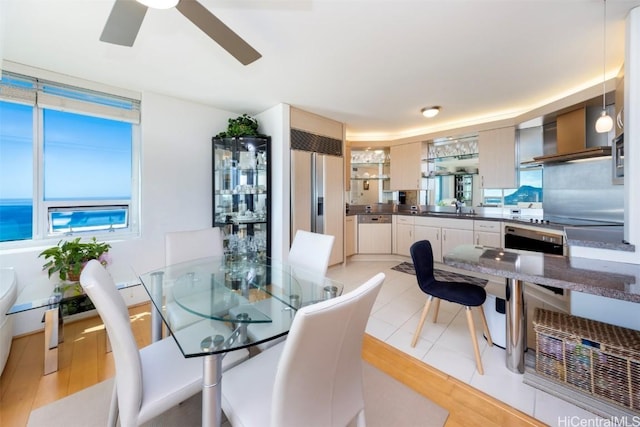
{"x":611,"y":237}
{"x":606,"y":237}
{"x":603,"y":278}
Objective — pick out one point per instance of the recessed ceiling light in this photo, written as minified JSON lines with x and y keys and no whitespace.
{"x":430,"y":111}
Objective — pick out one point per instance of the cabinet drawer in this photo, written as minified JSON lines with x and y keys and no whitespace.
{"x":405,"y":219}
{"x":490,"y":226}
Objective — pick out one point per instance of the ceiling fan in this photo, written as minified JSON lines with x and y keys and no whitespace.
{"x":126,"y":18}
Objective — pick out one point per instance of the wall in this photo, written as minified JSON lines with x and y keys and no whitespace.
{"x":275,"y":122}
{"x":175,"y":192}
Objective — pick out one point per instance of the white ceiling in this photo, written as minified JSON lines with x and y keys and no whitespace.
{"x":370,"y":64}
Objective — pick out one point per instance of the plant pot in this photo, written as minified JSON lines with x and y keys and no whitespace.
{"x":73,"y":277}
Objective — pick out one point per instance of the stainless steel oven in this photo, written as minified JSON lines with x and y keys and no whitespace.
{"x":535,"y":241}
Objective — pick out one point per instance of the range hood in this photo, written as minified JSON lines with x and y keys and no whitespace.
{"x":575,"y":138}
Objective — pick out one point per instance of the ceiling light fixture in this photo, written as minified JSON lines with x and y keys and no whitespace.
{"x":604,"y":122}
{"x":430,"y":112}
{"x":159,"y":4}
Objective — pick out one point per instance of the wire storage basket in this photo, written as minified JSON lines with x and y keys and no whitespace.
{"x":596,"y":358}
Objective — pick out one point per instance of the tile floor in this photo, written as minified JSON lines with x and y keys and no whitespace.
{"x":446,"y":344}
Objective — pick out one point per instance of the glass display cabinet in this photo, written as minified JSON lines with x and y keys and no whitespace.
{"x":241,"y":202}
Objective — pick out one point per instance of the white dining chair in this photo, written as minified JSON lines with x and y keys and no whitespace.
{"x":314,"y":378}
{"x":310,"y":252}
{"x":182,"y":246}
{"x":148,"y":381}
{"x":308,"y":260}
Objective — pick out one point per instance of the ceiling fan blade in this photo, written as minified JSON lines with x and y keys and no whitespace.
{"x":124,"y":22}
{"x":218,"y":31}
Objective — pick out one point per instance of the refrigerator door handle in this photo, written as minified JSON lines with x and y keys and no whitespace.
{"x":320,"y":206}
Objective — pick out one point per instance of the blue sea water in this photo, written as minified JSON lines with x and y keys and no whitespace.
{"x":15,"y":219}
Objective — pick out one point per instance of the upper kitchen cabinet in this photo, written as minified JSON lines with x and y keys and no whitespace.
{"x":497,"y":158}
{"x":405,"y":166}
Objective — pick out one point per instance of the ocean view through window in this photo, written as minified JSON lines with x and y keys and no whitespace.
{"x":68,"y":161}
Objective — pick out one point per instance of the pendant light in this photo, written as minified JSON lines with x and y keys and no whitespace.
{"x":604,"y":122}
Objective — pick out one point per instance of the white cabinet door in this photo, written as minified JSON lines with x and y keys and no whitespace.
{"x":374,"y":238}
{"x":483,"y":238}
{"x":497,"y":158}
{"x":455,"y":237}
{"x":404,"y":239}
{"x":488,"y":233}
{"x":405,"y":166}
{"x":350,"y":235}
{"x":403,"y":234}
{"x":432,"y":234}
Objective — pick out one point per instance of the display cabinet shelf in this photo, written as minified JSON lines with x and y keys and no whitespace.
{"x":241,"y":185}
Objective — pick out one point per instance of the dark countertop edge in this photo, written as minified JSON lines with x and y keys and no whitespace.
{"x":573,"y":286}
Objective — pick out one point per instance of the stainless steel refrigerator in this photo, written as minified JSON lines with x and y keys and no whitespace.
{"x":317,"y":187}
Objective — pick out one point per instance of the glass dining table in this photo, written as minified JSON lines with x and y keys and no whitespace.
{"x":236,"y":304}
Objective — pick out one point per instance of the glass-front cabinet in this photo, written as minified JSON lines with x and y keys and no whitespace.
{"x":241,"y":202}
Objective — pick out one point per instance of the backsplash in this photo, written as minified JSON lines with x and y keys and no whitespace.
{"x":583,"y":190}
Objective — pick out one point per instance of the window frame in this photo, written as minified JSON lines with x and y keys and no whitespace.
{"x":40,"y":216}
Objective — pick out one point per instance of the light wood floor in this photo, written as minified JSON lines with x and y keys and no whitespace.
{"x":83,"y":362}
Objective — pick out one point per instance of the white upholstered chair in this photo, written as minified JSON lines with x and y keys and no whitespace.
{"x":309,"y":260}
{"x":148,"y":381}
{"x":181,"y":246}
{"x":314,"y":378}
{"x":310,"y":252}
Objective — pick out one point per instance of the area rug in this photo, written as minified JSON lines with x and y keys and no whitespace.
{"x":445,"y":276}
{"x":388,"y":403}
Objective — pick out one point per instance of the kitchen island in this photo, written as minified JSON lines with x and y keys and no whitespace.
{"x":603,"y":278}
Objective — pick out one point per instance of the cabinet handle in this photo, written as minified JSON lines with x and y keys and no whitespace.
{"x":444,"y":235}
{"x":477,"y":239}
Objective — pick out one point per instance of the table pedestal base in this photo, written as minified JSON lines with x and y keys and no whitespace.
{"x":211,"y":390}
{"x":516,"y":327}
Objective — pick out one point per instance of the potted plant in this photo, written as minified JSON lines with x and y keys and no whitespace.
{"x":243,"y":125}
{"x":68,"y":257}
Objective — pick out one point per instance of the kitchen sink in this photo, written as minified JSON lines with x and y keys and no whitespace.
{"x":450,"y":214}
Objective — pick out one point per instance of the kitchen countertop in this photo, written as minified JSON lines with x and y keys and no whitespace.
{"x":603,"y":278}
{"x":606,"y":237}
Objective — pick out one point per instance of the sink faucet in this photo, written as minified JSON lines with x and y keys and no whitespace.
{"x":459,"y":206}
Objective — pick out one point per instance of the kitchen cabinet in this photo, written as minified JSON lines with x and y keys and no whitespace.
{"x":452,"y":237}
{"x":432,"y":234}
{"x":404,"y":234}
{"x":351,"y":235}
{"x":487,"y":233}
{"x":406,"y":166}
{"x":443,"y":233}
{"x":497,"y":158}
{"x":241,"y":184}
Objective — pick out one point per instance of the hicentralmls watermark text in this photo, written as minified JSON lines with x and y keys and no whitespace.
{"x":576,"y":421}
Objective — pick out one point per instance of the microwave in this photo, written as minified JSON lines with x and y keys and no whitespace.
{"x":617,"y":155}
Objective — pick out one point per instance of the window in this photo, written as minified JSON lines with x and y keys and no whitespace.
{"x":68,"y":161}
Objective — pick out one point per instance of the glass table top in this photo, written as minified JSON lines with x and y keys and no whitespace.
{"x":50,"y":294}
{"x":232,"y":304}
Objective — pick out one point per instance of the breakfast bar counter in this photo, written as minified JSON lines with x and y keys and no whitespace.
{"x":603,"y":278}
